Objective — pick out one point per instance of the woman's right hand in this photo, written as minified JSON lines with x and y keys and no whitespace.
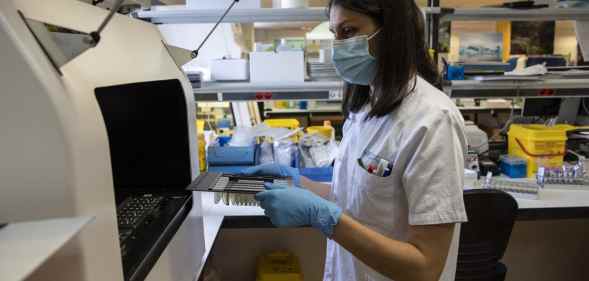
{"x":276,"y":170}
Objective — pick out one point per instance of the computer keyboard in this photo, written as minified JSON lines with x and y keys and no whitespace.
{"x":146,"y":223}
{"x":134,"y":210}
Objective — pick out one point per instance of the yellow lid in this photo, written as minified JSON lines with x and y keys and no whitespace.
{"x":540,"y":132}
{"x":321,"y":130}
{"x":283,"y":123}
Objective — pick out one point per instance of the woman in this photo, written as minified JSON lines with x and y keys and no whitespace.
{"x":396,"y":195}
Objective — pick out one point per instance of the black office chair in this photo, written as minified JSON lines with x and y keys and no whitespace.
{"x":484,"y":238}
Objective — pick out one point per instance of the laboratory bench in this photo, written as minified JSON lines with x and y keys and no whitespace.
{"x":546,"y":232}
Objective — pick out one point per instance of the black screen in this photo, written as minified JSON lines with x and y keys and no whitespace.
{"x":147,"y":126}
{"x":542,"y":107}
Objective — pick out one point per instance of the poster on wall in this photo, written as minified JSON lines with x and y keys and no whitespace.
{"x":532,"y":38}
{"x":481,"y":46}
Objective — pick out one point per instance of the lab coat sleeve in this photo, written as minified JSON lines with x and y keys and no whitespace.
{"x":434,"y":173}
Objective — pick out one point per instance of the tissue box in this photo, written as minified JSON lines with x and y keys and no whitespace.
{"x":222,"y":4}
{"x":287,"y":66}
{"x":229,"y":70}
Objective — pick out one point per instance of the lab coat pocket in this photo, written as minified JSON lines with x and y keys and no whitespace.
{"x":371,"y":199}
{"x":371,"y":183}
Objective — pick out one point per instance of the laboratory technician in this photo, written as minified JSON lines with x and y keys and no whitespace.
{"x":395,"y":204}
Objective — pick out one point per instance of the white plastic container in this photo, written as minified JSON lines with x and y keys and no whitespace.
{"x":293,"y":3}
{"x":222,"y":4}
{"x":281,"y":67}
{"x":229,"y":70}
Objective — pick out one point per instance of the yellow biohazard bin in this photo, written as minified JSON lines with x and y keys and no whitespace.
{"x":539,"y":145}
{"x":291,"y":124}
{"x":279,"y":266}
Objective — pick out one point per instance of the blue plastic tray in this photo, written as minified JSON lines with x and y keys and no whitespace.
{"x":231,"y":155}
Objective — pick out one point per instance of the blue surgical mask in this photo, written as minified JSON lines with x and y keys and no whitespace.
{"x":353,"y":61}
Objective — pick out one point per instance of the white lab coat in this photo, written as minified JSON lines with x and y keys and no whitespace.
{"x":424,"y":140}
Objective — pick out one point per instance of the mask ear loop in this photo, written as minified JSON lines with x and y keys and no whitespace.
{"x":357,"y":38}
{"x":374,"y":34}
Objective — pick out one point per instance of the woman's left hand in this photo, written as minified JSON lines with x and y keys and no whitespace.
{"x":290,"y":207}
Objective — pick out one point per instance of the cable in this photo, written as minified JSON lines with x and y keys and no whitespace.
{"x":227,"y":52}
{"x":112,"y":12}
{"x":195,"y":52}
{"x":584,"y":106}
{"x":94,"y":36}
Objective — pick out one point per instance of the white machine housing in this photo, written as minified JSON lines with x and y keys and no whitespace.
{"x":54,"y":152}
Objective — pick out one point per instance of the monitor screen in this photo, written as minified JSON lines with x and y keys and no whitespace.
{"x":543,"y":107}
{"x":147,"y":126}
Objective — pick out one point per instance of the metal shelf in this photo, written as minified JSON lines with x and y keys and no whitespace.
{"x":543,"y":14}
{"x":323,"y":109}
{"x":181,"y":14}
{"x":212,"y":91}
{"x":26,"y":246}
{"x":509,"y":89}
{"x":332,"y":90}
{"x":486,"y":108}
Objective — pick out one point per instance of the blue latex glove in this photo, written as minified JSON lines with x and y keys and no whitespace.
{"x":272,"y":169}
{"x":290,"y":207}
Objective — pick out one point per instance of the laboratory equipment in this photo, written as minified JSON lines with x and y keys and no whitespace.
{"x":514,"y":167}
{"x":217,"y":182}
{"x":471,"y":161}
{"x":565,"y":175}
{"x":157,"y":183}
{"x":235,"y":189}
{"x":487,"y":165}
{"x":92,"y":134}
{"x":544,"y":107}
{"x":477,"y":139}
{"x":195,"y":78}
{"x":142,"y":219}
{"x":323,"y":69}
{"x":470,"y":179}
{"x":519,"y":189}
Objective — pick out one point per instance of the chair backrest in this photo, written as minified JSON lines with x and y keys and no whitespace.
{"x":484,"y":238}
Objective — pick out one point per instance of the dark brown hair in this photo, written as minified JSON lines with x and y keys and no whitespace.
{"x":400,"y":51}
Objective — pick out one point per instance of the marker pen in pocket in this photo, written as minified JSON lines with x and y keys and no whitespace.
{"x":383,"y":166}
